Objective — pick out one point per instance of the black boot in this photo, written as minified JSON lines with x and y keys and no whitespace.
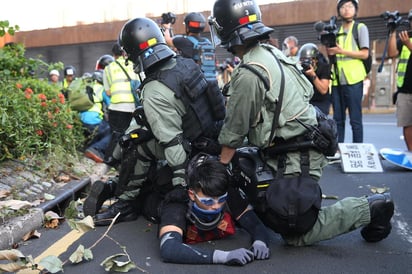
{"x":128,"y":212}
{"x":381,"y":207}
{"x":99,"y":193}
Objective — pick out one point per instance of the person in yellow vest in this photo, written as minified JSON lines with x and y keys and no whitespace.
{"x":349,"y":72}
{"x":402,"y":47}
{"x":93,"y":120}
{"x":117,"y":81}
{"x":69,"y":75}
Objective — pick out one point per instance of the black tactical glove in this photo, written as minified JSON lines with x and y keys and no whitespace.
{"x":234,"y":170}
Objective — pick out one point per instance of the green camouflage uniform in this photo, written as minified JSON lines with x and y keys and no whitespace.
{"x":250,"y":112}
{"x":164,"y":113}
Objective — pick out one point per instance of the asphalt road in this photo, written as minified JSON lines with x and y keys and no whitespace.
{"x":348,"y":253}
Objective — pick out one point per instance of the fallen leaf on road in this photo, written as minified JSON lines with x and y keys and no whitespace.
{"x":49,"y":197}
{"x":4,"y":193}
{"x":54,"y":223}
{"x":379,"y":190}
{"x":31,"y":234}
{"x":63,"y":178}
{"x":51,"y":219}
{"x":15,"y":204}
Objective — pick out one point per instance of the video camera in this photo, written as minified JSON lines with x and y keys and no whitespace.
{"x":394,"y":21}
{"x":306,"y":63}
{"x":327,"y":32}
{"x":229,"y":62}
{"x":168,"y":17}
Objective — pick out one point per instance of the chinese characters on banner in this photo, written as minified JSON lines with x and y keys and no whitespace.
{"x":360,"y":157}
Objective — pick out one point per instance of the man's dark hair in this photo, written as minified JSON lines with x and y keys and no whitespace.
{"x":207,"y":174}
{"x":117,"y":49}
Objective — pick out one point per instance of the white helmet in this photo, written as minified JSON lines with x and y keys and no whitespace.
{"x":54,"y":72}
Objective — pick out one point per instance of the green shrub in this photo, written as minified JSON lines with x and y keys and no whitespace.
{"x":34,"y":117}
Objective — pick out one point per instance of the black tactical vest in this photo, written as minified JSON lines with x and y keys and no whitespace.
{"x":204,"y":102}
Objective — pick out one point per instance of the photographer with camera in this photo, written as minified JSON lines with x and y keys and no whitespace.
{"x":317,"y":69}
{"x":192,"y":44}
{"x":402,"y":47}
{"x":349,"y":71}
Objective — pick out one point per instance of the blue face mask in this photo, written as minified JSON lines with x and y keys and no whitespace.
{"x":205,"y":219}
{"x":205,"y":213}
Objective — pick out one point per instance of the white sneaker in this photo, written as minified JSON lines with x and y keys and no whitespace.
{"x":334,"y":157}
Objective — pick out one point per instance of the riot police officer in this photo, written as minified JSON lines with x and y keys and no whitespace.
{"x":178,"y":112}
{"x":250,"y":113}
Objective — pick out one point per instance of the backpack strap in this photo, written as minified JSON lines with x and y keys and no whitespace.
{"x":267,"y":84}
{"x":194,"y":40}
{"x":356,"y":32}
{"x":266,"y":81}
{"x":135,"y":96}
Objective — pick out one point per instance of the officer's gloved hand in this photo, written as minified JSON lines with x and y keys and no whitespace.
{"x":234,"y":170}
{"x":260,"y":250}
{"x":237,"y":257}
{"x":177,"y":195}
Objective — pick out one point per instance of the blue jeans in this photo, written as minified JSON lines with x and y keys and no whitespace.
{"x":101,"y":135}
{"x":348,"y":97}
{"x":119,"y":121}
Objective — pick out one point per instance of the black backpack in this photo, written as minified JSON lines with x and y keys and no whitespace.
{"x":367,"y":63}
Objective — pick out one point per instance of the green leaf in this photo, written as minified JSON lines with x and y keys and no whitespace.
{"x":52,"y":263}
{"x":49,"y":197}
{"x":88,"y":254}
{"x":110,"y":264}
{"x":71,"y":211}
{"x":77,"y":256}
{"x":83,"y":225}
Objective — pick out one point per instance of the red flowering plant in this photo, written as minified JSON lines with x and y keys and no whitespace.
{"x":34,"y":117}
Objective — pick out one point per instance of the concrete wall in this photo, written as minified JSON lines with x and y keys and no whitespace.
{"x":292,"y":13}
{"x":82,"y":45}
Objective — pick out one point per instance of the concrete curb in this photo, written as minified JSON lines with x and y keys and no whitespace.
{"x":13,"y":230}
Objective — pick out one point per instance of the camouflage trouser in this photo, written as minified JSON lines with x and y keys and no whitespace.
{"x":344,"y":216}
{"x":136,"y":164}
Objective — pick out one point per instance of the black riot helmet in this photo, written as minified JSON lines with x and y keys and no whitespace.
{"x":144,"y":43}
{"x":234,"y":22}
{"x":195,"y":22}
{"x":69,"y":70}
{"x":98,"y":76}
{"x":308,"y":50}
{"x":103,"y":61}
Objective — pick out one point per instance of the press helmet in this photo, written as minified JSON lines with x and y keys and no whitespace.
{"x":144,"y":43}
{"x":98,"y":76}
{"x":195,"y":22}
{"x":104,"y":61}
{"x":341,"y":2}
{"x":308,"y":50}
{"x":236,"y":21}
{"x":69,"y":70}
